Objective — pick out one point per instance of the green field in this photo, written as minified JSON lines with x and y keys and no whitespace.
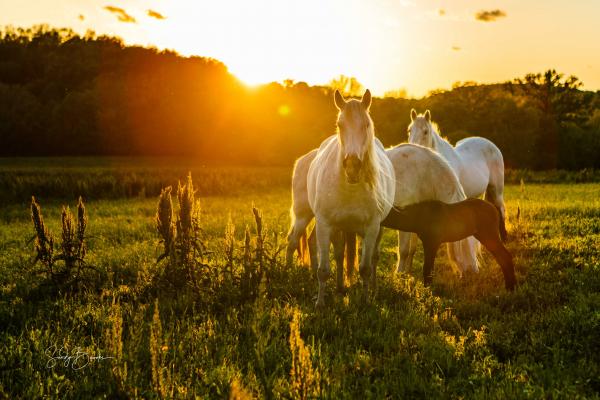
{"x":463,"y":338}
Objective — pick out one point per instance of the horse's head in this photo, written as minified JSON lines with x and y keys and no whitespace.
{"x":356,"y":133}
{"x":420,"y":130}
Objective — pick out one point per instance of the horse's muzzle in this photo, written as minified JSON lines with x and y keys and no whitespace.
{"x":352,"y":166}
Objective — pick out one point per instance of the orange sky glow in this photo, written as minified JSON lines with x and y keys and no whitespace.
{"x":386,"y":44}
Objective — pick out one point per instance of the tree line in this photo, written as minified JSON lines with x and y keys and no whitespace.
{"x":64,"y":94}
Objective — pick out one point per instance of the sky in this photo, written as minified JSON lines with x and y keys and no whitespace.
{"x":416,"y":45}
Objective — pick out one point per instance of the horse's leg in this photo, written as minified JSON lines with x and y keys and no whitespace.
{"x":495,"y":195}
{"x":350,"y":253}
{"x":338,"y":240}
{"x":312,"y":250}
{"x":471,"y":249}
{"x":502,"y":256}
{"x":324,"y":270}
{"x":455,"y":257}
{"x":297,"y":229}
{"x":366,"y":261}
{"x":376,"y":253}
{"x":430,"y":247}
{"x":404,"y":260}
{"x":412,"y":249}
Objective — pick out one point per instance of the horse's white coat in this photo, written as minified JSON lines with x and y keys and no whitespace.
{"x":477,"y":162}
{"x":300,"y":213}
{"x":354,"y":207}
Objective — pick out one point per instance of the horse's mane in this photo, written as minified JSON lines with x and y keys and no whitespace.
{"x":436,"y":128}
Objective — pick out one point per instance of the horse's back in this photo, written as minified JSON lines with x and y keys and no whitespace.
{"x":482,"y":162}
{"x":300,"y":204}
{"x":422,"y":174}
{"x":479,"y":150}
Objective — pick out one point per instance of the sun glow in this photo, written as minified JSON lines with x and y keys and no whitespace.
{"x":386,"y":44}
{"x":267,"y":40}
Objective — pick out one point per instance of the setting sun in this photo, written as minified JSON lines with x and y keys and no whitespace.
{"x":387,"y":45}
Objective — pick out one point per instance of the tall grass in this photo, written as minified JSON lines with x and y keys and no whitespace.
{"x":127,"y":179}
{"x":106,"y":178}
{"x":461,"y":338}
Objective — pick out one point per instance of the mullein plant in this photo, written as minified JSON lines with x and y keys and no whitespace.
{"x":72,"y":246}
{"x":44,"y":241}
{"x":165,"y":224}
{"x":181,"y":236}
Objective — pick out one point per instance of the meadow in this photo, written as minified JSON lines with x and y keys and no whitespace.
{"x":460,"y":338}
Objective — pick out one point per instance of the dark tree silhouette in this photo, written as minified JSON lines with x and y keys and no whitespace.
{"x":67,"y":94}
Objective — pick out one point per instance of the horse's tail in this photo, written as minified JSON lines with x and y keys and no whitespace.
{"x":303,"y":249}
{"x":350,"y":256}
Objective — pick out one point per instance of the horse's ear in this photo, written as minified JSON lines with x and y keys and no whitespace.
{"x":428,"y":116}
{"x":340,"y":103}
{"x":366,"y":99}
{"x":413,"y":114}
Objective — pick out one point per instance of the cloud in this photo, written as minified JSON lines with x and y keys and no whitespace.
{"x":456,"y":48}
{"x":121,"y":14}
{"x":489,"y":16}
{"x":155,"y":14}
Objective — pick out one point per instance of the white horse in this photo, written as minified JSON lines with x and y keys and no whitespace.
{"x":477,"y":162}
{"x":350,"y":186}
{"x":301,"y":215}
{"x":422,"y":175}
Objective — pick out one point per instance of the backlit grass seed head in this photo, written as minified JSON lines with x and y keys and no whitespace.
{"x":238,"y":392}
{"x":185,"y":196}
{"x":44,"y":242}
{"x":115,"y":333}
{"x":68,"y":235}
{"x":38,"y":222}
{"x":81,"y":225}
{"x":305,"y":380}
{"x":229,"y":241}
{"x":229,"y":232}
{"x":164,"y":217}
{"x":158,"y":379}
{"x":247,"y":249}
{"x":68,"y":232}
